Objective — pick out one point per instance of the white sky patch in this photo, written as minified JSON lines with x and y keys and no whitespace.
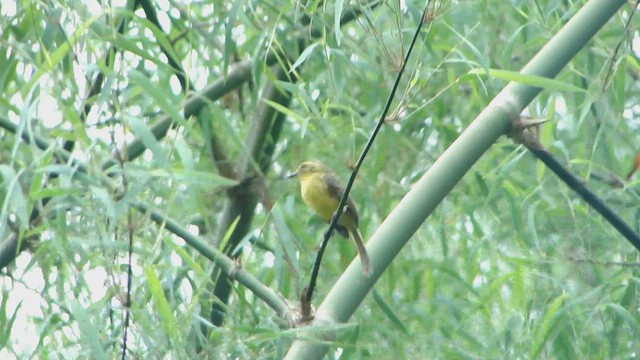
{"x":479,"y":281}
{"x":163,"y":6}
{"x":239,"y":34}
{"x":174,"y":83}
{"x":200,"y":77}
{"x":268,"y":260}
{"x":8,"y":8}
{"x":49,"y":111}
{"x":485,"y":266}
{"x":207,"y":11}
{"x":27,"y":301}
{"x":315,"y":94}
{"x":561,"y":106}
{"x":187,"y":290}
{"x":95,"y":278}
{"x":175,"y":260}
{"x":468,"y":225}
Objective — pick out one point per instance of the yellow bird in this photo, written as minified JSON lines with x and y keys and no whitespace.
{"x":322,"y":192}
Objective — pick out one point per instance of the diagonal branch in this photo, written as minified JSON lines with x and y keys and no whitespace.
{"x":229,"y":267}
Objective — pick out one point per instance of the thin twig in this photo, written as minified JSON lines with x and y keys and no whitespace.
{"x":365,"y":151}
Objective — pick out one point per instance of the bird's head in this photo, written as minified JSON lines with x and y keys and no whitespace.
{"x":308,"y":168}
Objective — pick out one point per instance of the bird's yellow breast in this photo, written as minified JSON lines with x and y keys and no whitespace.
{"x":316,"y":195}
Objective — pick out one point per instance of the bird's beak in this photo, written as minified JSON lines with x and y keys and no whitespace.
{"x":292,"y":175}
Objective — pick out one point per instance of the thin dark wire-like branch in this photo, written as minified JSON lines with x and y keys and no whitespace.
{"x":617,"y":49}
{"x":365,"y":151}
{"x":590,"y":197}
{"x":525,"y":130}
{"x":127,"y":305}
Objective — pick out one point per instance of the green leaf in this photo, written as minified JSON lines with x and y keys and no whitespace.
{"x":285,"y":110}
{"x":303,"y":57}
{"x":58,"y":55}
{"x":285,"y":236}
{"x":88,"y":329}
{"x":164,"y":99}
{"x":104,"y":197}
{"x":337,"y":28}
{"x":388,"y":312}
{"x":15,"y":200}
{"x":162,"y":305}
{"x":185,"y":154}
{"x":548,"y":324}
{"x":204,"y":178}
{"x":626,"y":316}
{"x":533,"y":80}
{"x":161,"y":38}
{"x":229,"y":43}
{"x":6,"y":324}
{"x":144,"y":132}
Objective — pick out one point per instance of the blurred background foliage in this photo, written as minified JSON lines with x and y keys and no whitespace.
{"x":511,"y":264}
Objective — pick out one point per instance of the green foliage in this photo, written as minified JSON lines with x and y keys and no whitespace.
{"x":511,"y":265}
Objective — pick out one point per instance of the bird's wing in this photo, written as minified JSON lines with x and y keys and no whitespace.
{"x":336,"y":190}
{"x":342,"y":231}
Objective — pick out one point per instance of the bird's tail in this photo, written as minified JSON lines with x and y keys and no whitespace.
{"x":367,"y":269}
